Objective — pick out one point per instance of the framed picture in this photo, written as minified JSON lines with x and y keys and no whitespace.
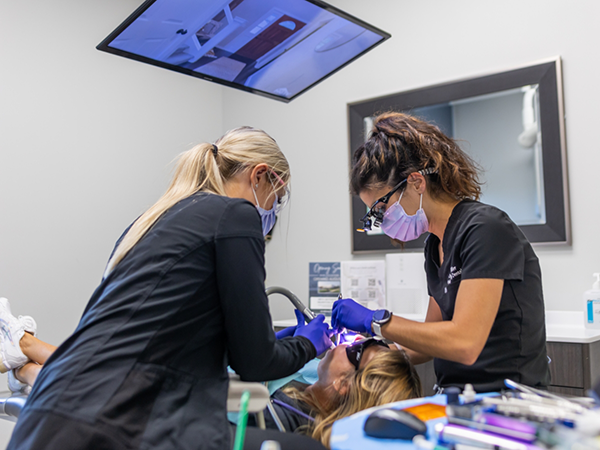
{"x":512,"y":124}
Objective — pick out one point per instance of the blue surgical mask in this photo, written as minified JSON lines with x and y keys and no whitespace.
{"x":399,"y":225}
{"x":267,"y":217}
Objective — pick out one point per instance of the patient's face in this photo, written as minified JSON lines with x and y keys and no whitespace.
{"x":336,"y":366}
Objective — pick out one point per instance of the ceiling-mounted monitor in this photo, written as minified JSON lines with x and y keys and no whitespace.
{"x":275,"y":48}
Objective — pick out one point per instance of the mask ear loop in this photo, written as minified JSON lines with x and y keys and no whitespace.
{"x":275,"y":190}
{"x":256,"y":198}
{"x":254,"y":192}
{"x":258,"y":203}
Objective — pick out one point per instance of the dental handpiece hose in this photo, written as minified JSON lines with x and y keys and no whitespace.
{"x":307,"y":313}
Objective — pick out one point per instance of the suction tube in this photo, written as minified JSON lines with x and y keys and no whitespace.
{"x":308,"y":314}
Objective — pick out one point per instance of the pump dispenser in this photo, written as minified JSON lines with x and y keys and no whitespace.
{"x":591,"y":305}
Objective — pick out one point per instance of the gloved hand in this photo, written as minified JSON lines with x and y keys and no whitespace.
{"x":289,"y":331}
{"x":316,"y":332}
{"x":347,"y":313}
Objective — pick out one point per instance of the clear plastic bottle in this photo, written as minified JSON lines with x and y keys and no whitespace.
{"x":591,"y":305}
{"x":270,"y":445}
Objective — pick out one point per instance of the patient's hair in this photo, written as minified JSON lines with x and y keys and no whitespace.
{"x":388,"y":377}
{"x":400,"y":144}
{"x":207,"y":168}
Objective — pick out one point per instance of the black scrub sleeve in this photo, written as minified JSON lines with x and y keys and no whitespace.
{"x":492,"y":249}
{"x":254,"y":352}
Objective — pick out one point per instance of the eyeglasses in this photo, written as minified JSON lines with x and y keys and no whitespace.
{"x":374,"y":216}
{"x":285,"y":198}
{"x":354,"y":351}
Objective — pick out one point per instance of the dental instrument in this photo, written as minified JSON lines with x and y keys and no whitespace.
{"x":308,"y":314}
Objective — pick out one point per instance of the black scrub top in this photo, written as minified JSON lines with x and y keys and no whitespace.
{"x":146,"y":367}
{"x":480,"y":241}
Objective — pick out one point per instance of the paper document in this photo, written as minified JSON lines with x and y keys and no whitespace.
{"x":406,"y":283}
{"x":364,"y":281}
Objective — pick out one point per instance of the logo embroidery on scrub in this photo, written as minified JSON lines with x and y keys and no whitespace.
{"x":453,"y":273}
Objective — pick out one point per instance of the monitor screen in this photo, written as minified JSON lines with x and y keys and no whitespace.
{"x":275,"y":48}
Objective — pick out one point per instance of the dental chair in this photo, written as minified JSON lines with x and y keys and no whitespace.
{"x":12,"y":404}
{"x":259,"y":397}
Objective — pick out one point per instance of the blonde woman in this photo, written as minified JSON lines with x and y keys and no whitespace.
{"x":182,"y":297}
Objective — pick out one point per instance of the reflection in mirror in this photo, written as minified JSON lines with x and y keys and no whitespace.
{"x":501,"y":132}
{"x":512,"y":124}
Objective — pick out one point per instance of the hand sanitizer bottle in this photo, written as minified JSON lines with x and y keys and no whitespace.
{"x":591,"y":308}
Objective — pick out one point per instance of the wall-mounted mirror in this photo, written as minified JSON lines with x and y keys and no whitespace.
{"x":512,"y":124}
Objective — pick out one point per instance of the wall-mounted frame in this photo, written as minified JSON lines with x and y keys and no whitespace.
{"x":540,"y":87}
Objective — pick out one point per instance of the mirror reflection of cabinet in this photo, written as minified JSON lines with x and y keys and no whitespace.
{"x":512,"y":124}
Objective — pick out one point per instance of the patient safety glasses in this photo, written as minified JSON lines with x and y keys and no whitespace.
{"x":355,"y":351}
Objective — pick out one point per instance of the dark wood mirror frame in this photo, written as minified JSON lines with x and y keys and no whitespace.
{"x":548,"y":76}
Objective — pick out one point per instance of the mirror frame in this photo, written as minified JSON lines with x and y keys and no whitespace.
{"x":548,"y":76}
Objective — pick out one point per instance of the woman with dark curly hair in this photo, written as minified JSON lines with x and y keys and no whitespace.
{"x":485,"y":320}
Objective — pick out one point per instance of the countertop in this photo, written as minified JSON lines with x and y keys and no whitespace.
{"x":561,"y":326}
{"x":567,"y":326}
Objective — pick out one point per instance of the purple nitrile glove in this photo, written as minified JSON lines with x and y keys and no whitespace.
{"x":316,"y":332}
{"x":347,"y":313}
{"x":289,"y":331}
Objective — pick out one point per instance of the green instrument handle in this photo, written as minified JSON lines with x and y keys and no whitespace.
{"x":240,"y":432}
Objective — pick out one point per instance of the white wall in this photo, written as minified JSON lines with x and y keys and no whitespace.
{"x":432,"y":41}
{"x":86,"y":141}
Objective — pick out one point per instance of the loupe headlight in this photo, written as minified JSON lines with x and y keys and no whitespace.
{"x":372,"y":218}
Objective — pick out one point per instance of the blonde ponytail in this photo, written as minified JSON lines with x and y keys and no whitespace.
{"x":207,"y":167}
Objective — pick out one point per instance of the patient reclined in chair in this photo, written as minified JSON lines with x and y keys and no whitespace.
{"x":324,"y":391}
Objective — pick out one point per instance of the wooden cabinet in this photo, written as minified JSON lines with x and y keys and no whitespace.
{"x":427,"y":376}
{"x":574,"y":367}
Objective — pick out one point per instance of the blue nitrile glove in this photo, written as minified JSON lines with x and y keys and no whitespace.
{"x":289,"y":331}
{"x":347,"y":313}
{"x":316,"y":332}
